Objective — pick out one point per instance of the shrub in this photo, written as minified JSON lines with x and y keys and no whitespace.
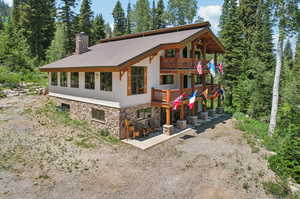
{"x":279,"y":189}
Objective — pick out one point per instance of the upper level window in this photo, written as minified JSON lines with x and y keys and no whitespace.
{"x":166,"y":79}
{"x":185,"y":52}
{"x":170,"y":53}
{"x":90,"y":80}
{"x":54,"y":78}
{"x":138,"y":80}
{"x":75,"y":79}
{"x":63,"y":79}
{"x":197,"y":79}
{"x":106,"y":81}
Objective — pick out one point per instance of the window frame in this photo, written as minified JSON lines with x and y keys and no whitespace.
{"x":91,"y":83}
{"x":64,"y":82}
{"x":95,"y":112}
{"x":170,"y":53}
{"x":103,"y":85}
{"x":144,"y":113}
{"x":139,"y":77}
{"x":72,"y":81}
{"x":56,"y":80}
{"x":163,"y":79}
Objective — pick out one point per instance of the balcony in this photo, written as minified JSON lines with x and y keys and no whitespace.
{"x":180,"y":63}
{"x":161,"y":96}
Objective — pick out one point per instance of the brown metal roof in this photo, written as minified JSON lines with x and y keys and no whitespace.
{"x":115,"y":53}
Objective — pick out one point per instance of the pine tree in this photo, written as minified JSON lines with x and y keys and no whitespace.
{"x":58,"y":49}
{"x":108,"y":31}
{"x":153,"y":17}
{"x":231,"y":37}
{"x":181,"y":12}
{"x":98,"y":30}
{"x":128,"y":20}
{"x":85,"y":17}
{"x":36,"y":20}
{"x":66,"y":15}
{"x":288,"y":55}
{"x":160,"y":15}
{"x":15,"y":52}
{"x":142,"y":16}
{"x":119,"y":20}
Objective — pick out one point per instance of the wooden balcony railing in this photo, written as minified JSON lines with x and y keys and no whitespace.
{"x":169,"y":95}
{"x":175,"y":62}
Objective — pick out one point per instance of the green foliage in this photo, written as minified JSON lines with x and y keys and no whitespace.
{"x":128,"y":19}
{"x":58,"y":48}
{"x":66,"y":15}
{"x":181,"y":12}
{"x":142,"y":16}
{"x":160,"y":15}
{"x":119,"y":19}
{"x":279,"y":189}
{"x":98,"y":30}
{"x":35,"y":20}
{"x":108,"y":31}
{"x":85,"y":18}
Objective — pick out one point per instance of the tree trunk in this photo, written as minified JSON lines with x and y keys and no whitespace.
{"x":276,"y":85}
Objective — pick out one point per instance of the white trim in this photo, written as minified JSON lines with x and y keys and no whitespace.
{"x":87,"y":100}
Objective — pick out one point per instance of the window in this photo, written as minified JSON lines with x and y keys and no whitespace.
{"x":138,"y":80}
{"x":54,"y":78}
{"x":98,"y":114}
{"x":144,"y":113}
{"x":106,"y":81}
{"x":185,"y":52}
{"x":166,"y":79}
{"x":65,"y":107}
{"x":90,"y":80}
{"x":197,"y":79}
{"x":63,"y":79}
{"x":75,"y":79}
{"x":170,"y":53}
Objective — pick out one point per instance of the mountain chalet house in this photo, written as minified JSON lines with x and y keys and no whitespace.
{"x":136,"y":77}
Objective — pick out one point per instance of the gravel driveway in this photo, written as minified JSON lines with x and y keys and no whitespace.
{"x":39,"y":160}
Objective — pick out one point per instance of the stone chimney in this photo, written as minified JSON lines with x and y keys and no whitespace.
{"x":82,"y":43}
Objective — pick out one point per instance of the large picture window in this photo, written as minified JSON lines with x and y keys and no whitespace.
{"x":166,"y":79}
{"x":75,"y":79}
{"x":63,"y":79}
{"x":138,"y":80}
{"x":106,"y":81}
{"x":54,"y":78}
{"x":90,"y":80}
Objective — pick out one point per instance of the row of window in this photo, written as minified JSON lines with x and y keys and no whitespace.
{"x":105,"y":80}
{"x":172,"y":53}
{"x":169,"y":79}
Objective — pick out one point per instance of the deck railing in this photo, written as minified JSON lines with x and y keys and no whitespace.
{"x":169,"y":95}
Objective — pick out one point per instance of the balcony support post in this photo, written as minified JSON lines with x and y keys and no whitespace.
{"x":168,"y":116}
{"x":182,"y":112}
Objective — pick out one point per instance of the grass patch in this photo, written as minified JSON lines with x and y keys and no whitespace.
{"x":279,"y":189}
{"x":88,"y":134}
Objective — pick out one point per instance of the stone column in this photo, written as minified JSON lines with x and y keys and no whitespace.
{"x":168,"y":129}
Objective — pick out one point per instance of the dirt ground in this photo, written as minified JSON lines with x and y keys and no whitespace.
{"x":38,"y":159}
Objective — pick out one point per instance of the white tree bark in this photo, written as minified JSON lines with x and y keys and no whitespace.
{"x":276,"y":86}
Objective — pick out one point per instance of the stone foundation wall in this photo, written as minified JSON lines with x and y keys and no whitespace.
{"x":83,"y":111}
{"x":114,"y":117}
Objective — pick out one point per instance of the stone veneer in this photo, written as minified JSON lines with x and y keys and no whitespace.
{"x":114,"y":117}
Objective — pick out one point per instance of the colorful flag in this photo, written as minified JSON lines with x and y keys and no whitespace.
{"x":178,"y":101}
{"x":212,"y":68}
{"x":192,"y":100}
{"x":221,"y":68}
{"x":200,"y":68}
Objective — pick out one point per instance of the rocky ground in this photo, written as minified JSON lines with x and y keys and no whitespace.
{"x":42,"y":158}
